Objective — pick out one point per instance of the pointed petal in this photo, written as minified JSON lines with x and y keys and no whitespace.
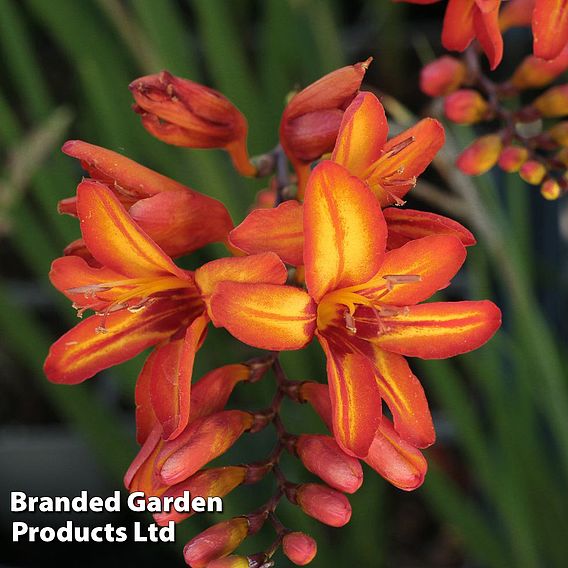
{"x":264,"y":268}
{"x":396,"y":460}
{"x":182,"y":221}
{"x":355,"y":397}
{"x":267,"y":316}
{"x":70,"y":273}
{"x":114,"y":239}
{"x":279,"y":230}
{"x":488,"y":32}
{"x":405,"y":398}
{"x":409,"y":224}
{"x":170,"y":386}
{"x":362,"y":134}
{"x":458,"y":30}
{"x":441,"y":329}
{"x":404,"y":158}
{"x":550,"y":27}
{"x":435,"y":260}
{"x":344,"y":230}
{"x":85,"y":350}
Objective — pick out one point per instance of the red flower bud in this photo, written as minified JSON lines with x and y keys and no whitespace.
{"x":183,"y":113}
{"x":395,"y":459}
{"x":202,"y":441}
{"x":553,"y":102}
{"x":232,"y":561}
{"x":512,"y":158}
{"x":324,"y":504}
{"x":533,"y":72}
{"x":481,"y":155}
{"x":311,"y":119}
{"x":442,"y":76}
{"x":317,"y":395}
{"x":550,"y":189}
{"x":215,"y":542}
{"x":532,"y":172}
{"x":323,"y":457}
{"x":179,"y":219}
{"x":215,"y":482}
{"x":466,"y":106}
{"x":299,"y":548}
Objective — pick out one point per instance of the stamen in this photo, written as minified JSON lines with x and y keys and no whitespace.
{"x":350,"y":322}
{"x":394,"y":279}
{"x":401,"y":146}
{"x":101,"y":329}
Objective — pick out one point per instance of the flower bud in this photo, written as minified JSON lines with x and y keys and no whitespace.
{"x":480,"y":156}
{"x":183,"y":113}
{"x":534,"y":73}
{"x":179,"y":219}
{"x":466,"y":106}
{"x":215,"y":482}
{"x":299,"y":548}
{"x":322,"y":456}
{"x":442,"y":76}
{"x":215,"y":542}
{"x":232,"y":561}
{"x":559,"y":133}
{"x":562,"y":156}
{"x":553,"y":102}
{"x":550,"y":189}
{"x":532,"y":172}
{"x":512,"y":158}
{"x":202,"y":441}
{"x":396,"y":460}
{"x":311,"y":119}
{"x":317,"y":395}
{"x":515,"y":13}
{"x":324,"y":504}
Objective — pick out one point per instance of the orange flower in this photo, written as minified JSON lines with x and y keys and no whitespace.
{"x":183,"y":113}
{"x":466,"y":20}
{"x":141,"y":299}
{"x":170,"y":213}
{"x":550,"y":27}
{"x":361,"y":305}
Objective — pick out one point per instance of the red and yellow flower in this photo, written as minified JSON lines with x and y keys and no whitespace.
{"x":140,"y":299}
{"x":361,"y":304}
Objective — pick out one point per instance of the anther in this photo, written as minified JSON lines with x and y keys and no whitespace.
{"x":350,"y":322}
{"x":401,"y":146}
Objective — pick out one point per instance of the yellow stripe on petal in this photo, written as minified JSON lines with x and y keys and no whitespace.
{"x":344,"y":230}
{"x":355,"y":397}
{"x":114,"y":239}
{"x":267,"y":316}
{"x":362,"y":134}
{"x":440,"y":329}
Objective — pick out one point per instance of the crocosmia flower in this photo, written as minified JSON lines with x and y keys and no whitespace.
{"x":362,"y":304}
{"x":140,"y":299}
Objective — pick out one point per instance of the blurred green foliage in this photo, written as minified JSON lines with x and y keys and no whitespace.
{"x":67,"y":67}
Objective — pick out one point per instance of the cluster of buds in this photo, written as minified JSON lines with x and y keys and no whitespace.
{"x":328,"y":253}
{"x":519,"y":136}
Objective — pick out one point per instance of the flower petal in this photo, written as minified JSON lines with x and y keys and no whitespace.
{"x":458,"y":30}
{"x":362,"y":134}
{"x":550,"y":27}
{"x":264,"y":268}
{"x":405,"y":398}
{"x":409,"y":224}
{"x":146,"y":421}
{"x":441,"y":329}
{"x":114,"y":239}
{"x":279,"y":230}
{"x":267,"y":316}
{"x":404,"y":158}
{"x":488,"y":32}
{"x":355,"y":397}
{"x":86,"y":349}
{"x":396,"y":460}
{"x":435,"y":260}
{"x":170,"y":386}
{"x":182,"y":221}
{"x":344,"y":230}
